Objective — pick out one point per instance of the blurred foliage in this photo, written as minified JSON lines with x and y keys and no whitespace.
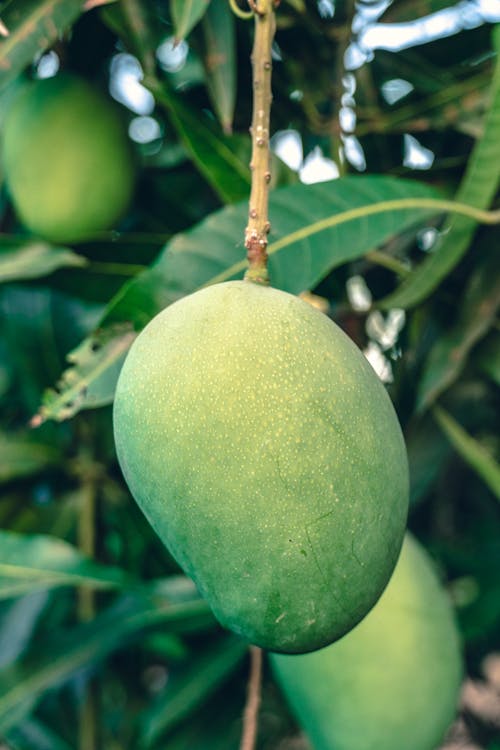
{"x":103,"y":644}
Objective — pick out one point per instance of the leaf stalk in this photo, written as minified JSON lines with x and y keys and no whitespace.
{"x":244,"y":14}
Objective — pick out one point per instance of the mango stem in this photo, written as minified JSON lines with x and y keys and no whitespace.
{"x":258,"y":222}
{"x":250,"y":717}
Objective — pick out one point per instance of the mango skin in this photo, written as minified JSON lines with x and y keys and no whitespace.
{"x":393,"y":681}
{"x":67,"y":159}
{"x":267,"y":455}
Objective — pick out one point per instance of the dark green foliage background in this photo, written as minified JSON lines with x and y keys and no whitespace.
{"x":141,"y":660}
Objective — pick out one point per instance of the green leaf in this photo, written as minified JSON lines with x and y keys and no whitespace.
{"x":215,"y":726}
{"x":190,"y":685}
{"x":315,"y":228}
{"x":31,"y":563}
{"x":142,"y":31}
{"x":31,"y":260}
{"x":488,"y":357}
{"x":450,"y":353}
{"x":219,"y":58}
{"x":21,"y":457}
{"x":470,"y":450}
{"x":61,"y":655}
{"x":186,"y":14}
{"x":477,"y":188}
{"x":21,"y":710}
{"x":90,"y":381}
{"x":33,"y":26}
{"x":34,"y":734}
{"x":18,"y":623}
{"x":319,"y":227}
{"x":215,"y":155}
{"x":428,"y":451}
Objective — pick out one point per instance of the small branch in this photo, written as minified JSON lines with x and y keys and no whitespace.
{"x":86,"y":543}
{"x":88,"y":720}
{"x":4,"y":31}
{"x":258,"y":223}
{"x":250,"y":717}
{"x":87,"y":739}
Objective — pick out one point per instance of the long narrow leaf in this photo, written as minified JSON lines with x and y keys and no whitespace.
{"x":470,"y":449}
{"x":32,"y":25}
{"x":57,"y":658}
{"x":212,"y":152}
{"x":21,"y":457}
{"x":33,"y":734}
{"x":488,"y":357}
{"x":17,"y":624}
{"x":34,"y":259}
{"x":91,"y":379}
{"x":477,"y":188}
{"x":192,"y":260}
{"x":450,"y":352}
{"x":315,"y":229}
{"x":141,"y":28}
{"x":186,"y":14}
{"x":219,"y":57}
{"x":35,"y":562}
{"x":320,"y":227}
{"x":187,"y":688}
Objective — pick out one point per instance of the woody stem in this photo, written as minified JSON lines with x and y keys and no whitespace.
{"x":258,"y":222}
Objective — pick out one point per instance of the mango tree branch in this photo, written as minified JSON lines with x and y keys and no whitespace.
{"x":258,"y":222}
{"x":89,"y":709}
{"x":250,"y":718}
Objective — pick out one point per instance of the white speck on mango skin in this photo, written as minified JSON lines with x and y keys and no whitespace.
{"x":264,"y":451}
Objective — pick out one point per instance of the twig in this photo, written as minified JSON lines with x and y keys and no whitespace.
{"x":258,"y":223}
{"x":88,"y":723}
{"x":88,"y":719}
{"x":4,"y":31}
{"x":250,"y":716}
{"x":86,"y":543}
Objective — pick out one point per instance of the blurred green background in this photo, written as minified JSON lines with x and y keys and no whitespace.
{"x":103,"y":643}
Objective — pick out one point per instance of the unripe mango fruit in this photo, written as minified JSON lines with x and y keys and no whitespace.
{"x":390,"y":684}
{"x":67,"y":159}
{"x":267,"y":455}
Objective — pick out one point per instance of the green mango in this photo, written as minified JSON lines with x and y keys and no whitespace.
{"x":67,"y":159}
{"x":267,"y":455}
{"x":393,"y":682}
